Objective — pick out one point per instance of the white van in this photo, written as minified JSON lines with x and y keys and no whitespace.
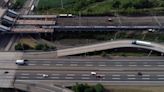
{"x":93,"y":73}
{"x":20,"y":62}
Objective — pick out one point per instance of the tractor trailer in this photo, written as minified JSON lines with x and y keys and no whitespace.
{"x":143,"y":43}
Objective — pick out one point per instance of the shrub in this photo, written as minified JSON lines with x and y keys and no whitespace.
{"x":20,"y":46}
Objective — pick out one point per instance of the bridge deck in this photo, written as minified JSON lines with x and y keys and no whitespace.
{"x":31,"y":30}
{"x":121,"y":20}
{"x":38,"y":16}
{"x":35,"y":22}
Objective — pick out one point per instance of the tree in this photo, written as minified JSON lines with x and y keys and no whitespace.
{"x":22,"y":46}
{"x":128,"y":5}
{"x":39,"y":46}
{"x":116,"y":4}
{"x":99,"y":88}
{"x":18,"y":47}
{"x":91,"y":89}
{"x":86,"y":88}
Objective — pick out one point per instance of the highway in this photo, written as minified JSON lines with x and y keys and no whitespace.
{"x":150,"y":69}
{"x":86,"y":76}
{"x":96,"y":63}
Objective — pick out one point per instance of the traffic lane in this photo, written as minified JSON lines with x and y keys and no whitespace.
{"x":88,"y":74}
{"x":93,"y":78}
{"x":97,"y":63}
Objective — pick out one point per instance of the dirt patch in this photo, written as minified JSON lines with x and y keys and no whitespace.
{"x":29,"y":41}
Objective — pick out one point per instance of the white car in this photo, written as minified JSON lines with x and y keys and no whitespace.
{"x":93,"y":73}
{"x":45,"y":75}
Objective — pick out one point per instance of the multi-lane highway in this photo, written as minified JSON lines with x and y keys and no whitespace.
{"x":86,"y":76}
{"x":96,"y":63}
{"x":120,"y":70}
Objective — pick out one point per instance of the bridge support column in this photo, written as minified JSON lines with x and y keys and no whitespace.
{"x":150,"y":53}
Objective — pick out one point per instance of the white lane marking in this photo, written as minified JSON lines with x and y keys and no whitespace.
{"x":39,"y":77}
{"x":24,"y":77}
{"x":118,"y":65}
{"x":160,"y":65}
{"x":131,"y":75}
{"x":55,"y":74}
{"x":70,"y":74}
{"x":115,"y":78}
{"x":132,"y":65}
{"x":73,"y":64}
{"x":39,"y":74}
{"x":46,"y":64}
{"x":88,"y":62}
{"x":54,"y":77}
{"x":131,"y":78}
{"x":85,"y":75}
{"x":85,"y":78}
{"x":145,"y":78}
{"x":102,"y":75}
{"x":102,"y":65}
{"x":146,"y":75}
{"x":25,"y":74}
{"x":31,"y":64}
{"x":147,"y":65}
{"x":59,"y":64}
{"x":68,"y":77}
{"x":118,"y":62}
{"x":88,"y":65}
{"x":160,"y":78}
{"x":115,"y":75}
{"x":132,"y":62}
{"x":160,"y":75}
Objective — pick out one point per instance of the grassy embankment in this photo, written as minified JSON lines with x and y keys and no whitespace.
{"x":102,"y":7}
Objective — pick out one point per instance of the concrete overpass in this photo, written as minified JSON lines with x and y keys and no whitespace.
{"x":107,"y":45}
{"x":92,"y":48}
{"x":104,"y":28}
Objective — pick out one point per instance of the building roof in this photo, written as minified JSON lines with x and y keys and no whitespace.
{"x":2,"y":11}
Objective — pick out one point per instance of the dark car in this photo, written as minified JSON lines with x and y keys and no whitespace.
{"x":139,"y":73}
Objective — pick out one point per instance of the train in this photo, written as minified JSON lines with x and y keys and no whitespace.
{"x":65,"y":15}
{"x":142,"y":43}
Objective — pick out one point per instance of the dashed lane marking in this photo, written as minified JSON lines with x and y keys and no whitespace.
{"x":68,"y":77}
{"x":73,"y":65}
{"x":115,"y":78}
{"x":131,"y":78}
{"x":70,"y":74}
{"x":24,"y":74}
{"x":115,"y":75}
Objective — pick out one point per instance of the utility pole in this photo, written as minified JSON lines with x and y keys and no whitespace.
{"x":79,"y":18}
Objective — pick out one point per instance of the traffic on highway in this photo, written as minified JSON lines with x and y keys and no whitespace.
{"x":87,"y":76}
{"x":96,"y":63}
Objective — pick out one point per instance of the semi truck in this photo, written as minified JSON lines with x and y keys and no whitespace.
{"x":143,"y":43}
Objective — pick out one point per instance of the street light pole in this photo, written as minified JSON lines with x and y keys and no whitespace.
{"x":62,"y":4}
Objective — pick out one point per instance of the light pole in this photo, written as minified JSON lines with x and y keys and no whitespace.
{"x":62,"y":4}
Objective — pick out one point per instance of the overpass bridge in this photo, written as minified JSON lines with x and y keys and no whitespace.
{"x":93,"y":48}
{"x":106,"y":46}
{"x":103,"y":28}
{"x":55,"y":23}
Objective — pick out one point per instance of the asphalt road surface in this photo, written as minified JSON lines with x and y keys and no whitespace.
{"x":96,"y":63}
{"x":86,"y":76}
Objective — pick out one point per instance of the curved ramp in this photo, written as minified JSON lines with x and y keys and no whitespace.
{"x":107,"y":45}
